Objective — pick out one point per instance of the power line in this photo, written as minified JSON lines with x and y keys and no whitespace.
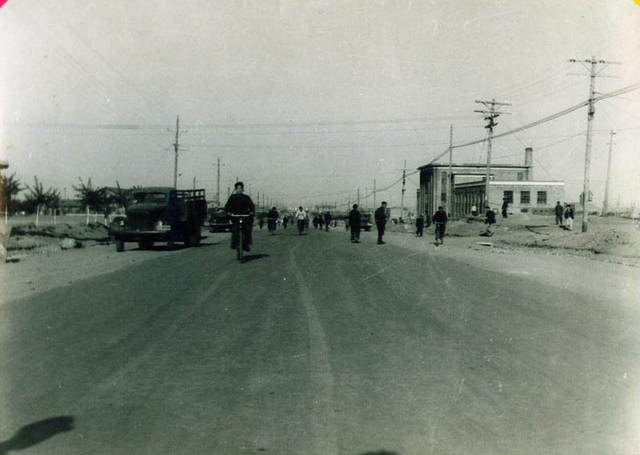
{"x":564,"y":112}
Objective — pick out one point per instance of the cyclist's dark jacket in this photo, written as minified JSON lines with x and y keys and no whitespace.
{"x":240,"y":204}
{"x":273,"y":214}
{"x":440,"y":217}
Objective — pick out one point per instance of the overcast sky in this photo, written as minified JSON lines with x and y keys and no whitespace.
{"x":309,"y":100}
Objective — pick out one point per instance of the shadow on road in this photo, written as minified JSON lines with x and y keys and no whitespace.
{"x":253,"y":257}
{"x":380,"y":452}
{"x":36,"y":433}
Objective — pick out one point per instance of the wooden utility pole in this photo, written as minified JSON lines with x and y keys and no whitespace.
{"x":605,"y":205}
{"x":450,"y":173}
{"x":176,"y":145}
{"x":490,"y":115}
{"x":218,"y":184}
{"x":592,"y":62}
{"x":374,"y":193}
{"x":404,"y":180}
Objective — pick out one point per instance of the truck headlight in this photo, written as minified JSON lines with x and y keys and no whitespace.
{"x":160,"y":226}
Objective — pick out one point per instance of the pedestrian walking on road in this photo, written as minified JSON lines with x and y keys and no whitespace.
{"x":301,"y":218}
{"x":354,"y":224}
{"x":568,"y":217}
{"x":327,"y":220}
{"x":420,"y":225}
{"x":285,"y":221}
{"x":261,"y":221}
{"x":440,"y":220}
{"x":490,"y":220}
{"x":381,"y":220}
{"x":559,"y":212}
{"x":505,"y":206}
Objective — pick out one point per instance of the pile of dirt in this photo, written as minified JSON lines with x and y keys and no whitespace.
{"x":30,"y":237}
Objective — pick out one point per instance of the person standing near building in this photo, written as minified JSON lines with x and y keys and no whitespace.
{"x":381,"y":220}
{"x":568,"y":216}
{"x":559,"y":212}
{"x":440,"y":220}
{"x":474,"y":210}
{"x":354,"y":224}
{"x":505,"y":206}
{"x":420,"y":225}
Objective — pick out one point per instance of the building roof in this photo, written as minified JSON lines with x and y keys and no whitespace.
{"x":476,"y":165}
{"x":481,"y":183}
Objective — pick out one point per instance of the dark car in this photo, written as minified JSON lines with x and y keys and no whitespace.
{"x":219,"y":221}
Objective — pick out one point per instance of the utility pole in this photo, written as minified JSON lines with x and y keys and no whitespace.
{"x":218,"y":184}
{"x":592,"y":64}
{"x":358,"y":200}
{"x":176,"y":145}
{"x":490,"y":115}
{"x":374,"y":193}
{"x":450,"y":175}
{"x":605,"y":205}
{"x":404,"y":180}
{"x":194,"y":183}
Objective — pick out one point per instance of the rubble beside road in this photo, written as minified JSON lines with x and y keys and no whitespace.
{"x":29,"y":237}
{"x":608,"y":238}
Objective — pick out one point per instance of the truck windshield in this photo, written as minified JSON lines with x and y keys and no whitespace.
{"x":149,"y":196}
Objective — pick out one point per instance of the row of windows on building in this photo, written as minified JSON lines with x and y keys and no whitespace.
{"x":525,"y":197}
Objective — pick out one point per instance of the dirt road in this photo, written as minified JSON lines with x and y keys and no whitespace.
{"x":320,"y":346}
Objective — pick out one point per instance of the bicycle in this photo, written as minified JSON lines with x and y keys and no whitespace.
{"x":238,"y":232}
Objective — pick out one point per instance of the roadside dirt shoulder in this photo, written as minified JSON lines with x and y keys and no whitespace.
{"x":577,"y":274}
{"x":48,"y":268}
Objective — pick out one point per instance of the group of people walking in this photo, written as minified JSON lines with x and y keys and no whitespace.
{"x":568,"y":213}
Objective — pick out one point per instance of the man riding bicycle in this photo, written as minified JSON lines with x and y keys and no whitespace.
{"x":273,"y":219}
{"x":240,"y":204}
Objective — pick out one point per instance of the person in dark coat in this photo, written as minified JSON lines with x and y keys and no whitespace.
{"x":440,"y":220}
{"x":272,"y":219}
{"x":505,"y":206}
{"x":285,"y":221}
{"x":490,"y":220}
{"x":354,"y":224}
{"x":327,"y":220}
{"x":419,"y":225}
{"x":559,"y":212}
{"x":241,"y":204}
{"x":381,"y":220}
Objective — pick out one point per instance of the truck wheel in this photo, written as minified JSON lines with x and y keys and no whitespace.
{"x":145,"y":244}
{"x":119,"y":245}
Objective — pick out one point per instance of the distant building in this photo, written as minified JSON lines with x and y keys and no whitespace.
{"x":512,"y":182}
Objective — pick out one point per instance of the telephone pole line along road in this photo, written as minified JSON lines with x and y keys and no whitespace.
{"x":319,"y":346}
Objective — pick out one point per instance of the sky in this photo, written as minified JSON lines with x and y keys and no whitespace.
{"x":309,"y":101}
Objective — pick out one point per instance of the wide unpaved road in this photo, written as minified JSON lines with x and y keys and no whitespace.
{"x":318,"y":347}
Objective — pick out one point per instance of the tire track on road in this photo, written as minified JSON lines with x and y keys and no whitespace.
{"x":322,"y":380}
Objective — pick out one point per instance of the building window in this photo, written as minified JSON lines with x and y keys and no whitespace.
{"x":508,"y":196}
{"x":443,"y":197}
{"x":542,"y":197}
{"x":520,"y":175}
{"x":525,"y":197}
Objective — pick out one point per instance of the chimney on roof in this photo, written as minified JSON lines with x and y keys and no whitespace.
{"x":528,"y":162}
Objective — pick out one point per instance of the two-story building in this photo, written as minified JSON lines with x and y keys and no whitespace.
{"x":510,"y":182}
